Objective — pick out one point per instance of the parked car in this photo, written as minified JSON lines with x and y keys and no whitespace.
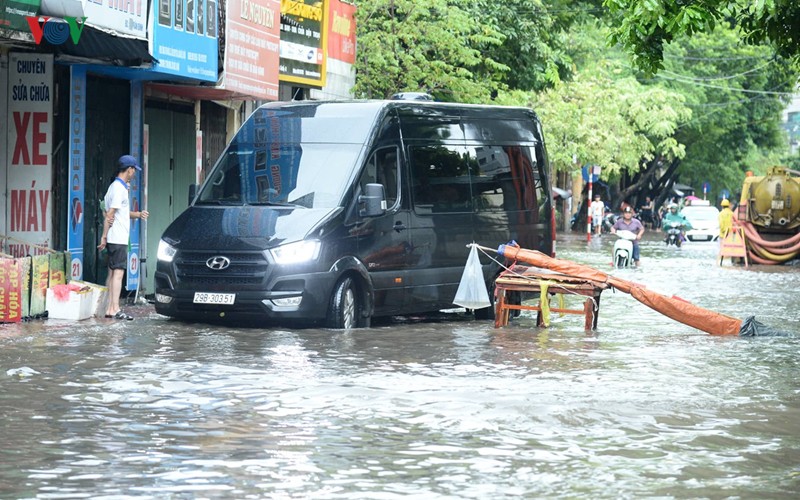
{"x":705,"y":222}
{"x":337,"y":212}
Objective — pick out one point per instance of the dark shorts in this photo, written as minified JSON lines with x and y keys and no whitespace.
{"x":117,"y":256}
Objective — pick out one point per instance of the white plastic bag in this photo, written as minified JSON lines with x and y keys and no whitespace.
{"x":471,"y":291}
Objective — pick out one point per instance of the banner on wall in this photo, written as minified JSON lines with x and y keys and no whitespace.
{"x":14,"y":13}
{"x":3,"y":141}
{"x":77,"y":169}
{"x":29,"y":153}
{"x":184,"y":38}
{"x":252,"y":47}
{"x":303,"y":42}
{"x":342,"y":31}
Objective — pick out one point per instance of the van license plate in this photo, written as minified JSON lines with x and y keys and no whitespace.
{"x":214,"y":298}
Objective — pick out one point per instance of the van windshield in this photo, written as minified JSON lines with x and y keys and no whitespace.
{"x":305,"y":175}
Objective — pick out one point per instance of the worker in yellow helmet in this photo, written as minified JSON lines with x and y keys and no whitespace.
{"x":725,"y":218}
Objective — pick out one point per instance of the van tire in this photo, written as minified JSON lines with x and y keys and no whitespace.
{"x":345,"y":310}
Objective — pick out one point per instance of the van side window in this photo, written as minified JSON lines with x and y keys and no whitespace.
{"x":440,"y":178}
{"x":382,"y":167}
{"x":508,"y":178}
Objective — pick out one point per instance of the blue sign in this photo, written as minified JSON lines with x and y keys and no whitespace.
{"x":185,"y":38}
{"x":135,"y":193}
{"x":725,"y":194}
{"x":585,"y":174}
{"x":706,"y":187}
{"x":77,"y":169}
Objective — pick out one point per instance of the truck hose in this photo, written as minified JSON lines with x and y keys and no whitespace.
{"x":782,"y":257}
{"x":790,"y":244}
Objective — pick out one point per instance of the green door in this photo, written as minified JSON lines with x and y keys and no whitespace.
{"x":171,"y":169}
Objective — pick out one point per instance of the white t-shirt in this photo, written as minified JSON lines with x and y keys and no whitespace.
{"x":597,"y":208}
{"x":117,"y":197}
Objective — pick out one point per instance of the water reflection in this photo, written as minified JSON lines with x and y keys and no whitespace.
{"x":643,"y":407}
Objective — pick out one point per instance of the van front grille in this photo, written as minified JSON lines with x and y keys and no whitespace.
{"x":247,"y":269}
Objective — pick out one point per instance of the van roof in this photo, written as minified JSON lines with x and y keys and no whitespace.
{"x":372,"y":105}
{"x":351,"y":120}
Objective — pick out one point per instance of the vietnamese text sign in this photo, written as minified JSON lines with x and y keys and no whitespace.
{"x":77,"y":154}
{"x":185,"y":38}
{"x":252,"y":47}
{"x":13,"y":13}
{"x":128,"y":17}
{"x":29,"y":155}
{"x":342,"y":31}
{"x":303,"y":41}
{"x":10,"y":291}
{"x":135,"y":192}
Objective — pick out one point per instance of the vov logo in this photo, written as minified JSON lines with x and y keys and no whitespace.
{"x":55,"y":29}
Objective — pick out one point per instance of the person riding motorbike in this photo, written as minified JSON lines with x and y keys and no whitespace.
{"x":673,"y":215}
{"x":635,"y":226}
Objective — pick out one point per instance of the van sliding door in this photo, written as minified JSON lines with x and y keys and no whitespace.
{"x":441,"y":220}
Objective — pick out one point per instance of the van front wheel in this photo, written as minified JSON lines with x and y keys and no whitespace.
{"x":345,"y":309}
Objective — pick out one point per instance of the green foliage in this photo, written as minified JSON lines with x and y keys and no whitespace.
{"x":737,"y":93}
{"x":715,"y":106}
{"x":605,"y":116}
{"x":466,"y":51}
{"x":645,"y":26}
{"x":435,"y":47}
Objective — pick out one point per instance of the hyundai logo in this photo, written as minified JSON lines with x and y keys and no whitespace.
{"x":218,"y":263}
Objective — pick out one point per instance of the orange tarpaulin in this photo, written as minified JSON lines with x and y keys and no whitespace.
{"x":672,"y":307}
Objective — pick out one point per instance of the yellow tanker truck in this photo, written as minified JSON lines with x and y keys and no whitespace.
{"x":769,"y":212}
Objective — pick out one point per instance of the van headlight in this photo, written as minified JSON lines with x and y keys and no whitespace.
{"x":165,"y":252}
{"x":297,"y":252}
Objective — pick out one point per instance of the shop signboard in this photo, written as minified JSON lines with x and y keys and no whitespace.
{"x":28,"y":209}
{"x":14,"y":13}
{"x":77,"y":169}
{"x":303,"y":46}
{"x":252,"y":47}
{"x":184,"y":38}
{"x":342,"y":31}
{"x":135,"y":192}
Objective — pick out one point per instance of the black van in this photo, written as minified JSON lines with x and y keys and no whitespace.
{"x":336,"y":212}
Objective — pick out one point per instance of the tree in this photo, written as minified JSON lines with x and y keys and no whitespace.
{"x":433,"y":47}
{"x":466,"y":51}
{"x":737,"y":93}
{"x":645,"y":26}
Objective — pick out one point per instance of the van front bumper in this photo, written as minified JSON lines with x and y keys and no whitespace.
{"x":313,"y":291}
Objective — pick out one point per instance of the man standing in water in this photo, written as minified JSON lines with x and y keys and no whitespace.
{"x":725,"y":218}
{"x":598,"y":211}
{"x":116,"y":231}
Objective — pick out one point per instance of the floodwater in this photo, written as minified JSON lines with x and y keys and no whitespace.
{"x":445,"y":408}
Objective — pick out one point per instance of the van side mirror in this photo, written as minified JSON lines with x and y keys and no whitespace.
{"x":374,"y":200}
{"x":192,"y":192}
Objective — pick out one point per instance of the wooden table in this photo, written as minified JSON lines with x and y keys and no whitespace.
{"x":531,"y":279}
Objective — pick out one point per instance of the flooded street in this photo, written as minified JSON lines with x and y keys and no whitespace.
{"x":452,"y":408}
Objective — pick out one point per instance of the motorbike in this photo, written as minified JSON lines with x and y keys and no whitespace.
{"x":674,"y":234}
{"x":608,"y":222}
{"x":623,"y":249}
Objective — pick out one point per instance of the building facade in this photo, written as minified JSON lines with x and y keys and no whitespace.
{"x":83,"y":82}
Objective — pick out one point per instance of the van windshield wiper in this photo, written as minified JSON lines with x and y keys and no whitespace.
{"x":220,"y":202}
{"x":272,"y":204}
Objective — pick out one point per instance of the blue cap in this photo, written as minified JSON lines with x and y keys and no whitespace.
{"x":127,"y":161}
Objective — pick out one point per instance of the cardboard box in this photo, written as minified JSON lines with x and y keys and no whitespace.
{"x":99,"y":296}
{"x":75,"y":305}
